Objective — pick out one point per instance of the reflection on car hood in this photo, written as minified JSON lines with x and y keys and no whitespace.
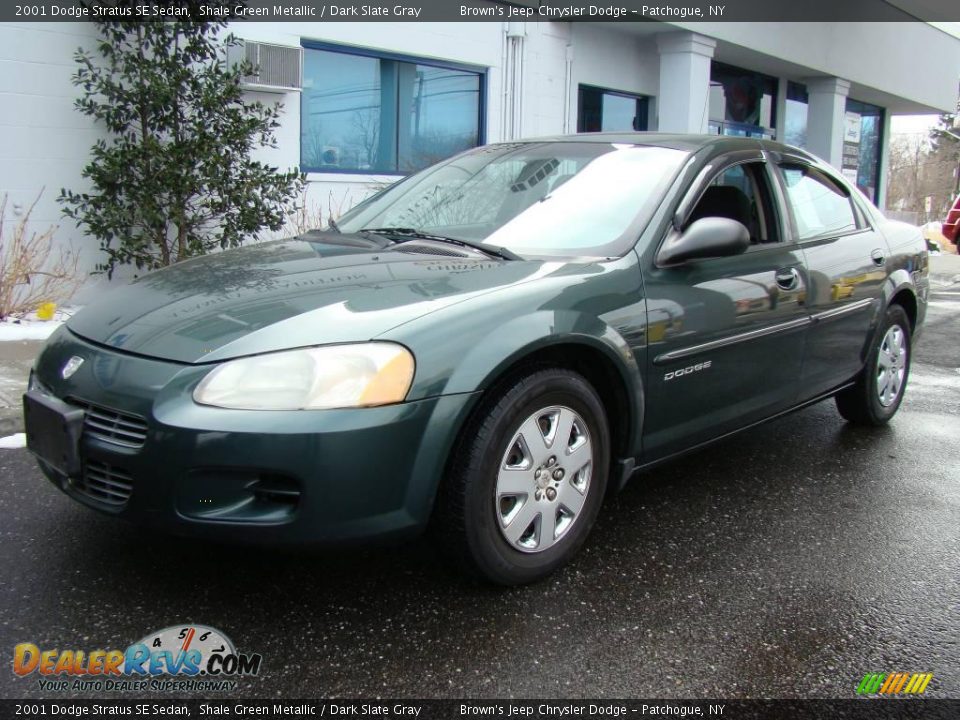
{"x":284,"y":294}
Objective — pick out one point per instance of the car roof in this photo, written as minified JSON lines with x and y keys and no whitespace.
{"x":677,"y":141}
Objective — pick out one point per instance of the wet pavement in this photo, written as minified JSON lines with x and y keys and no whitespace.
{"x":785,"y":562}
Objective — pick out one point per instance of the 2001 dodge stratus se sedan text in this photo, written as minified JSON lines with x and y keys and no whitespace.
{"x":486,"y":348}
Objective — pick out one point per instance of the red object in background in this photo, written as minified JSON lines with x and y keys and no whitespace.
{"x":949,"y":228}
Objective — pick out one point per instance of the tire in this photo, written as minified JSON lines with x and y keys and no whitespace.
{"x":510,"y":481}
{"x":879,"y":388}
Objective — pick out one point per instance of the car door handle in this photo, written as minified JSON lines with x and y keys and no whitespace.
{"x":787,"y":278}
{"x":878,"y":257}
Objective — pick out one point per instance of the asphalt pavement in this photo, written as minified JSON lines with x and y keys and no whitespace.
{"x":785,"y":562}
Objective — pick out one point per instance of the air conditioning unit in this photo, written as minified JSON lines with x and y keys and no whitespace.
{"x":330,"y":156}
{"x":276,"y":68}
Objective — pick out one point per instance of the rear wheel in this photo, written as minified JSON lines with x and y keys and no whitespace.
{"x":878,"y":392}
{"x":526,"y":482}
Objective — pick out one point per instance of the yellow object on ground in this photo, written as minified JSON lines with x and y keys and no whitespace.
{"x":46,"y":311}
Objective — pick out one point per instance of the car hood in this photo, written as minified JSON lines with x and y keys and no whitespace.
{"x":285,"y":294}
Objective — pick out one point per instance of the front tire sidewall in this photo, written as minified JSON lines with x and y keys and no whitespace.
{"x":490,"y":550}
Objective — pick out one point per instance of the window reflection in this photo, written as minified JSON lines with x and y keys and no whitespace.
{"x":603,"y":110}
{"x":819,"y":206}
{"x":383,"y":115}
{"x":742,"y":102}
{"x":861,"y":148}
{"x":795,"y":117}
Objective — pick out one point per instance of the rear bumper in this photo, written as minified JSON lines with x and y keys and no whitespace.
{"x":306,"y":477}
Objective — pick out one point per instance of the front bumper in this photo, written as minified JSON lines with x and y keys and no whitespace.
{"x":149,"y":454}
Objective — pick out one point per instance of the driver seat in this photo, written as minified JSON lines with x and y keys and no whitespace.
{"x":725,"y":201}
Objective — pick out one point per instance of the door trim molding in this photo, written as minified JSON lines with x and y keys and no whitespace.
{"x":731,"y":340}
{"x":843,"y":310}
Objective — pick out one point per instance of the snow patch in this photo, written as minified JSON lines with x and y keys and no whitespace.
{"x":29,"y":327}
{"x":10,"y":332}
{"x":10,"y":442}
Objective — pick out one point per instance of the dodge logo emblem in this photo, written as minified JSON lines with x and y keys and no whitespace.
{"x":73,"y":364}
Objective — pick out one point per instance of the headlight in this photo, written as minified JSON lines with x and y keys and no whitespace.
{"x":332,"y":376}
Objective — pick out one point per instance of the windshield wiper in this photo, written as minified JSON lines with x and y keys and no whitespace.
{"x":414,"y":234}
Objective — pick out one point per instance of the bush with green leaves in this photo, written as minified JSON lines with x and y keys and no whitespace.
{"x":175,"y":178}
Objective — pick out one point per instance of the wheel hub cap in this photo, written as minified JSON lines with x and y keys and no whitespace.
{"x":891,"y":365}
{"x":544,"y":479}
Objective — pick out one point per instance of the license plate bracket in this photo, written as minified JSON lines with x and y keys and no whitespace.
{"x":53,"y":430}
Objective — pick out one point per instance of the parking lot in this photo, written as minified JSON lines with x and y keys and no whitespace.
{"x":785,"y":562}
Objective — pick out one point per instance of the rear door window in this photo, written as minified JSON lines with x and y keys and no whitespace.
{"x":821,"y":207}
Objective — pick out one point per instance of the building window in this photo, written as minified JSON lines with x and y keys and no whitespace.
{"x":742,"y":102}
{"x":795,"y":116}
{"x":603,"y":110}
{"x":376,"y":113}
{"x":861,"y":146}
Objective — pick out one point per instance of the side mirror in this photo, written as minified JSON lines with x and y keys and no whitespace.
{"x":708,"y":237}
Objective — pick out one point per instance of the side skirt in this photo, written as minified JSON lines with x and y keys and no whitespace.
{"x":631,"y":468}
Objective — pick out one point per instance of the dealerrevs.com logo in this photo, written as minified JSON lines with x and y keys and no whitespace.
{"x":178,"y":658}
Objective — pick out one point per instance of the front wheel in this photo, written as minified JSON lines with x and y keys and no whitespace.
{"x":878,"y":391}
{"x":527,"y":479}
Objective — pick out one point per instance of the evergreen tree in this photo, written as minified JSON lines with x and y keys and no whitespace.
{"x":176,"y":178}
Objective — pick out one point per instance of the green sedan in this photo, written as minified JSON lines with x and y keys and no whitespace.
{"x":486,"y":349}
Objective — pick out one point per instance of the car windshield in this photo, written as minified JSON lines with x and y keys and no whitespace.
{"x":554,"y":199}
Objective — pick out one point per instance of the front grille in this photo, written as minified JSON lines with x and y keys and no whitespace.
{"x":106,"y":484}
{"x":113,"y":426}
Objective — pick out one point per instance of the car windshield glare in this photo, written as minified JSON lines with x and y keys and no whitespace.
{"x":553,"y":199}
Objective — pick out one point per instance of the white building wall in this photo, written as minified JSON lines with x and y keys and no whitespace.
{"x":912,"y":61}
{"x":545,"y":51}
{"x":613,"y":60}
{"x":44,"y":141}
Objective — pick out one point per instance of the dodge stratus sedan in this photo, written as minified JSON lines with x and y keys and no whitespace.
{"x":487,"y":348}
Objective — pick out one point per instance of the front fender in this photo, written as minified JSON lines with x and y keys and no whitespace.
{"x":467,"y":347}
{"x":508,"y":344}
